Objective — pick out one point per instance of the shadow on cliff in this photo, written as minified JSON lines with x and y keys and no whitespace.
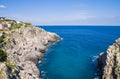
{"x":101,"y":64}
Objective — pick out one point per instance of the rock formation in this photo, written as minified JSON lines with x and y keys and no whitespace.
{"x":21,"y":47}
{"x":109,"y":62}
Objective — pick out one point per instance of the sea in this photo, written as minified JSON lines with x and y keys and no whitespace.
{"x":75,"y":56}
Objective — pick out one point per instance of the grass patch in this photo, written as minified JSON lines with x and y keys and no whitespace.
{"x":15,"y":26}
{"x":10,"y":64}
{"x":1,"y":39}
{"x":115,"y":52}
{"x":27,"y":24}
{"x":4,"y":35}
{"x":3,"y":56}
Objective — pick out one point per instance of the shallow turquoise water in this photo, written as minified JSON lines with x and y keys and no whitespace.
{"x":72,"y":57}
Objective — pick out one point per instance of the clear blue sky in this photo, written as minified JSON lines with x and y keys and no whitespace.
{"x":63,"y":12}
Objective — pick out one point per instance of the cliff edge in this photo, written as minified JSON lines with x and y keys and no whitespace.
{"x":109,"y":62}
{"x":21,"y":47}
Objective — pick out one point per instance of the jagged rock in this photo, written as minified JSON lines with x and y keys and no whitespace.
{"x":3,"y":71}
{"x":110,"y":65}
{"x":25,"y":47}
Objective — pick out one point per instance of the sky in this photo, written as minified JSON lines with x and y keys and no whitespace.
{"x":63,"y":12}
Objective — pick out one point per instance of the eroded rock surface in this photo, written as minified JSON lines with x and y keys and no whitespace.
{"x":24,"y":48}
{"x":110,"y":65}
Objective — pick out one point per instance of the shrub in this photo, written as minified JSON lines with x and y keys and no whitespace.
{"x":1,"y":40}
{"x":3,"y":56}
{"x":15,"y":26}
{"x":27,"y":24}
{"x":10,"y":64}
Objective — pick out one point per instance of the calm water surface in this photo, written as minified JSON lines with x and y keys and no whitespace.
{"x":73,"y":57}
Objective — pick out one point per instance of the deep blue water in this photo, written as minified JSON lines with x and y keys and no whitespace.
{"x":72,"y":58}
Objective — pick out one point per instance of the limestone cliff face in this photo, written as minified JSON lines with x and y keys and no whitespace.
{"x":111,"y":62}
{"x":24,"y":48}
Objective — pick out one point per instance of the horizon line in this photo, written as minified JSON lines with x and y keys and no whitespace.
{"x":79,"y":25}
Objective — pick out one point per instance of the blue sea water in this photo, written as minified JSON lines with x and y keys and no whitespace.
{"x":74,"y":56}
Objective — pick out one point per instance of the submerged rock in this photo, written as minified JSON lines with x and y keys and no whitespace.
{"x":24,"y":47}
{"x":109,"y":62}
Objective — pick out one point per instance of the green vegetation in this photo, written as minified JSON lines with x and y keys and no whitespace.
{"x":16,"y":26}
{"x":115,"y":52}
{"x":10,"y":64}
{"x":4,"y":35}
{"x":3,"y":56}
{"x":10,"y":67}
{"x":19,"y":25}
{"x":27,"y":24}
{"x":1,"y":39}
{"x":7,"y":20}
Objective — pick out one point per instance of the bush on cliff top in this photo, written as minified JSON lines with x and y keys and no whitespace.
{"x":27,"y":24}
{"x":3,"y":56}
{"x":15,"y":26}
{"x":19,"y":25}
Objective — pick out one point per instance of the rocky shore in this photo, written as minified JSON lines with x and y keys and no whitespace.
{"x":109,"y":62}
{"x":21,"y":47}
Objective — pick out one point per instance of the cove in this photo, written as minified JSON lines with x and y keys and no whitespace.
{"x":74,"y":56}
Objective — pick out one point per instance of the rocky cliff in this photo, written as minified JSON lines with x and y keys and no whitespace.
{"x":20,"y":50}
{"x":109,"y":62}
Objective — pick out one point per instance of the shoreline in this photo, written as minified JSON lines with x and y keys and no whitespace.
{"x":25,"y":46}
{"x":47,"y":48}
{"x":109,"y":63}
